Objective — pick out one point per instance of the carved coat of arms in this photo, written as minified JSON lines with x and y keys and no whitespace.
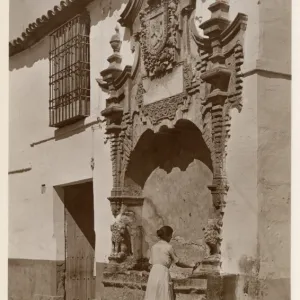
{"x":159,"y":30}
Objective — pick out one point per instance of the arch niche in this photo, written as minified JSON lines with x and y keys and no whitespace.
{"x":172,"y":169}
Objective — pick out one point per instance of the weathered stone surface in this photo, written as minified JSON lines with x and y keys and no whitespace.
{"x":34,"y":278}
{"x":113,"y":293}
{"x":46,"y":297}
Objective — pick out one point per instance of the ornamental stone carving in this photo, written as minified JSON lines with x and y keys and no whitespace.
{"x":164,"y":109}
{"x":205,"y":84}
{"x":212,"y":235}
{"x":159,"y":36}
{"x":220,"y":70}
{"x":121,"y":237}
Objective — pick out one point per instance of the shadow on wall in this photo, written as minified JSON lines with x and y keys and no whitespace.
{"x":30,"y":56}
{"x":40,"y":50}
{"x":167,"y":149}
{"x":70,"y":130}
{"x":105,"y":9}
{"x":80,"y":217}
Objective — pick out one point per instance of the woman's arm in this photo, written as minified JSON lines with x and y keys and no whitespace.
{"x":181,"y":264}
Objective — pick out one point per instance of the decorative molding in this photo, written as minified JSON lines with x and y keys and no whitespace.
{"x":47,"y":23}
{"x":130,"y":13}
{"x":164,"y":109}
{"x":60,"y":133}
{"x":127,"y":200}
{"x":137,"y":59}
{"x":202,"y":42}
{"x":220,"y":69}
{"x":268,"y":67}
{"x":18,"y":171}
{"x":231,"y":32}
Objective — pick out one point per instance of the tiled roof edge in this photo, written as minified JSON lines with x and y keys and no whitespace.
{"x":47,"y":23}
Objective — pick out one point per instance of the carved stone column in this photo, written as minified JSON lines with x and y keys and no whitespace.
{"x":127,"y":235}
{"x":218,"y":77}
{"x":223,"y":78}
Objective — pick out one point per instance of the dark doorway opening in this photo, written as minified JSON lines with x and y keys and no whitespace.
{"x":79,"y":241}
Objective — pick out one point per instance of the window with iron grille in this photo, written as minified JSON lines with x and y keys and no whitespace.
{"x":70,"y":72}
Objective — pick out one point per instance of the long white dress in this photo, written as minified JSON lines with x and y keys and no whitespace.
{"x":159,"y":286}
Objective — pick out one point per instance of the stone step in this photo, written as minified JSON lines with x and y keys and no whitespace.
{"x":114,"y":293}
{"x":129,"y":276}
{"x":190,"y":297}
{"x":181,"y":289}
{"x":132,"y":285}
{"x":199,"y":282}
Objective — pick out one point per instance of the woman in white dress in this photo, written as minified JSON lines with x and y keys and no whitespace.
{"x":159,"y":286}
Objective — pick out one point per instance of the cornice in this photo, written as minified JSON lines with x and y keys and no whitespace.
{"x":201,"y":41}
{"x":46,"y":23}
{"x":239,"y":23}
{"x":130,"y":12}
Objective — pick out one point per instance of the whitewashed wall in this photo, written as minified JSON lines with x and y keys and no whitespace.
{"x":36,"y":219}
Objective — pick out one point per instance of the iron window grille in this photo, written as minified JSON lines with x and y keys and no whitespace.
{"x":70,"y":72}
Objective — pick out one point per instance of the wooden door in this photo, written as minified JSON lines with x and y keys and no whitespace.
{"x":80,"y":242}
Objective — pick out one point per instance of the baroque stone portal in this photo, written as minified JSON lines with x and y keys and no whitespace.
{"x":179,"y":79}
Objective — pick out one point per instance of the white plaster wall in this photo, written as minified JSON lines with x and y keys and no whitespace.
{"x":36,"y":219}
{"x":240,"y":218}
{"x":274,"y":136}
{"x":274,"y":152}
{"x":274,"y":176}
{"x":257,"y":216}
{"x":275,"y":33}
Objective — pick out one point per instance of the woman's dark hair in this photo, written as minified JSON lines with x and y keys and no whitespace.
{"x":164,"y":232}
